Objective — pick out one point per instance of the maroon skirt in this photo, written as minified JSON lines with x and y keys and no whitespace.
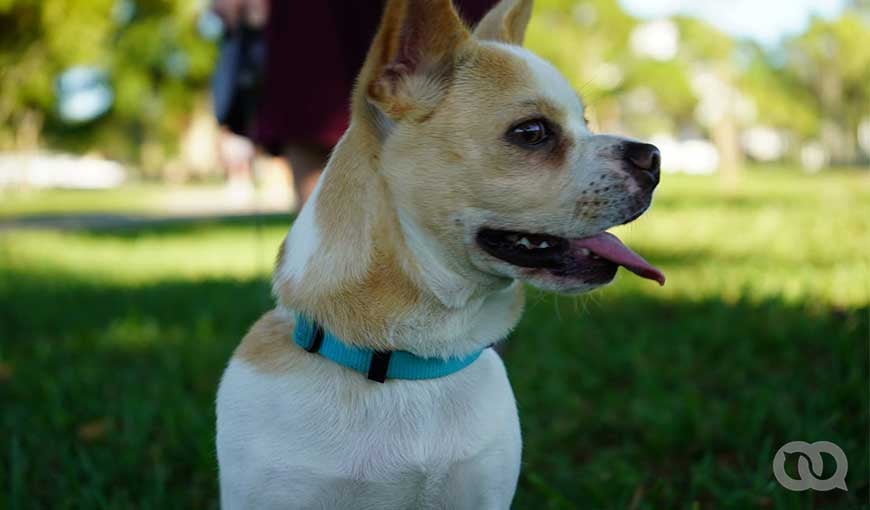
{"x":314,"y":52}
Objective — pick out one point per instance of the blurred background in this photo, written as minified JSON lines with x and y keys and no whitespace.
{"x":137,"y":237}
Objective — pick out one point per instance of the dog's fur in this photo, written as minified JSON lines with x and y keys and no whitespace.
{"x":384,"y":256}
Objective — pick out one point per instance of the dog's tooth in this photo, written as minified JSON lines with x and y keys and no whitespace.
{"x":585,"y":252}
{"x":544,"y":244}
{"x":524,"y":242}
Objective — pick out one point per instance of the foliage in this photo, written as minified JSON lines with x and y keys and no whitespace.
{"x":112,"y":344}
{"x":782,"y":99}
{"x":821,"y":76}
{"x":156,"y":61}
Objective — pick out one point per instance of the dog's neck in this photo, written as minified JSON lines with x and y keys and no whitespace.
{"x":368,"y":272}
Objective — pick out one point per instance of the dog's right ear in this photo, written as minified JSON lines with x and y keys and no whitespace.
{"x":411,"y":60}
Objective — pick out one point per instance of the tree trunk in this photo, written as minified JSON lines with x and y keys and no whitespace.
{"x":726,"y":137}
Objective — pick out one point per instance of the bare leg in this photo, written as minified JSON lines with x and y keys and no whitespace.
{"x":306,"y":162}
{"x":236,"y":154}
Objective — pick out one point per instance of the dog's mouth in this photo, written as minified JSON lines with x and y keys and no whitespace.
{"x":593,"y":259}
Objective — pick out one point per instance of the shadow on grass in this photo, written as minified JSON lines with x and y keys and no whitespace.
{"x":640,"y":403}
{"x":134,"y":225}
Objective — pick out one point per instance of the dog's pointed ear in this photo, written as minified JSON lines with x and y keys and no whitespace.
{"x":411,"y":59}
{"x":506,"y":22}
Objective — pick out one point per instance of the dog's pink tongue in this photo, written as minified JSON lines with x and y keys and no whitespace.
{"x":608,"y":246}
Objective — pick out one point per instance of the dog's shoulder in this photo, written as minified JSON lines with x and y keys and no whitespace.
{"x":268,"y":346}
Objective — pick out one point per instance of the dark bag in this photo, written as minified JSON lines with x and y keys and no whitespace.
{"x":237,"y":77}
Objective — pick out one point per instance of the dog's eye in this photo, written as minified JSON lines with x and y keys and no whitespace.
{"x":530,"y":133}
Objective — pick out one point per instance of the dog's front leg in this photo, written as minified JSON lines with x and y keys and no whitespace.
{"x":488,"y":480}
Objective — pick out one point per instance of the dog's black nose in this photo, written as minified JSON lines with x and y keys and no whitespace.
{"x":646,"y":160}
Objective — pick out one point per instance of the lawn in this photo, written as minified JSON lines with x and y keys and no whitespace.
{"x":139,"y":198}
{"x":634,"y":397}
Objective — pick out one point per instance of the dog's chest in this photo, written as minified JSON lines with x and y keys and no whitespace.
{"x":330,"y":432}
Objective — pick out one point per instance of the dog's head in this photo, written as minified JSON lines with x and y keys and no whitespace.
{"x":487,"y":155}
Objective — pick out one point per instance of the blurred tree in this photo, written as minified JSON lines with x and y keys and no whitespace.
{"x":832,"y":59}
{"x":711,"y":55}
{"x":781,"y":99}
{"x":817,"y":85}
{"x":37,"y":41}
{"x":151,"y":51}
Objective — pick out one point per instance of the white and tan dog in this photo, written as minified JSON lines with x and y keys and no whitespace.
{"x":467,"y":168}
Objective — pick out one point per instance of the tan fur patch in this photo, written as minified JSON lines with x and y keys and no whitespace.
{"x":496,"y":71}
{"x":269,"y":346}
{"x":384,"y":293}
{"x":373,"y":289}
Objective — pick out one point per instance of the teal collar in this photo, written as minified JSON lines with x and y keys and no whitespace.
{"x":377,"y":365}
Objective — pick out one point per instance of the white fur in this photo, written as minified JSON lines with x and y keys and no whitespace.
{"x":457,"y":332}
{"x":321,"y":436}
{"x":302,"y":241}
{"x":550,"y":83}
{"x":448,"y":286}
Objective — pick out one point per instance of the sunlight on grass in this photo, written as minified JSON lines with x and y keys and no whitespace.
{"x":807,"y":241}
{"x":201,"y":252}
{"x":134,"y":198}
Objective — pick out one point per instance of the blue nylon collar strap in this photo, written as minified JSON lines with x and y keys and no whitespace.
{"x":377,"y":365}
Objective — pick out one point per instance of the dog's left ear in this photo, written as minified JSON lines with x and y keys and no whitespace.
{"x":506,"y":22}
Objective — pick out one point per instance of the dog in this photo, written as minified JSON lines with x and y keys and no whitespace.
{"x":468,"y":168}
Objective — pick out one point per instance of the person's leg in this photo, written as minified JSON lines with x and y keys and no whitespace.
{"x":306,"y":163}
{"x":236,"y":155}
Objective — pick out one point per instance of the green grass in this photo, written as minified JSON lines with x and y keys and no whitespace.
{"x":112,"y":343}
{"x":139,"y":198}
{"x":136,"y":199}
